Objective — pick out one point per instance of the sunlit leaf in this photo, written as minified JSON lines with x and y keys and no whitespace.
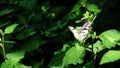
{"x":110,"y":56}
{"x":65,"y":47}
{"x":110,"y":38}
{"x":10,"y":28}
{"x":57,"y":67}
{"x":15,"y":56}
{"x":98,"y":46}
{"x":93,"y":7}
{"x":10,"y":64}
{"x":75,"y":55}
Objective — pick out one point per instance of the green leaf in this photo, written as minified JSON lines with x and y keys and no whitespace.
{"x":10,"y":64}
{"x":36,"y":64}
{"x":93,"y":7}
{"x":7,"y":41}
{"x":65,"y":48}
{"x":30,"y":31}
{"x":74,"y":55}
{"x":22,"y":19}
{"x":27,"y":3}
{"x":32,"y":43}
{"x":75,"y":12}
{"x":84,"y":1}
{"x":110,"y":38}
{"x":90,"y":64}
{"x":57,"y":67}
{"x":20,"y":36}
{"x":5,"y":11}
{"x":15,"y":56}
{"x":98,"y":46}
{"x":10,"y":28}
{"x":56,"y":61}
{"x":110,"y":56}
{"x":1,"y":31}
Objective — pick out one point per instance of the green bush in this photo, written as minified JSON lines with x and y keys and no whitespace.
{"x":35,"y":34}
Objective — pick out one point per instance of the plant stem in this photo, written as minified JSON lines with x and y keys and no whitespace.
{"x":4,"y":52}
{"x":92,"y":45}
{"x":3,"y":48}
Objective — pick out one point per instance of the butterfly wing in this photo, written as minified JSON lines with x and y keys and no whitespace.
{"x":74,"y":31}
{"x":83,"y":32}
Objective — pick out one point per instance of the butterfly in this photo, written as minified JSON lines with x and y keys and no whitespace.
{"x":82,"y":34}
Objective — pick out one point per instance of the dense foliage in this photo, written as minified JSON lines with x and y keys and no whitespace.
{"x":35,"y":34}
